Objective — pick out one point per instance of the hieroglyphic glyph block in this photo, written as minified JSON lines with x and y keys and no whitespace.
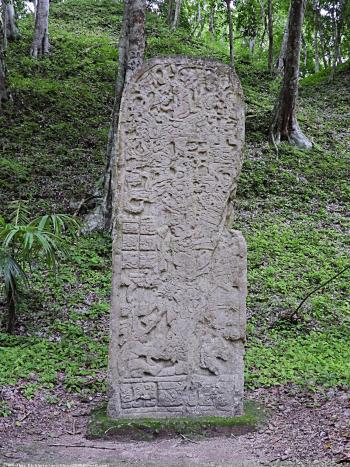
{"x":179,"y":271}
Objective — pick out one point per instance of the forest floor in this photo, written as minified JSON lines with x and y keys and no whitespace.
{"x":292,"y":207}
{"x":302,"y":428}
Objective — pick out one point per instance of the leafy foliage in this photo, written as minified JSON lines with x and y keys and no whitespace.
{"x":311,"y":360}
{"x":22,"y":241}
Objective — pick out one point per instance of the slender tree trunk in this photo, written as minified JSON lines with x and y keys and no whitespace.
{"x":264,"y":20}
{"x":230,"y":33}
{"x":11,"y":27}
{"x":11,"y":312}
{"x":252,"y":45}
{"x":40,"y":44}
{"x":270,"y":27}
{"x":304,"y":50}
{"x":200,"y":19}
{"x":176,"y":18}
{"x":317,"y":55}
{"x":171,"y":11}
{"x":131,"y":56}
{"x":284,"y":123}
{"x":212,"y":19}
{"x":337,"y":41}
{"x":343,"y":5}
{"x":323,"y":48}
{"x":282,"y":56}
{"x":3,"y":88}
{"x":333,"y":63}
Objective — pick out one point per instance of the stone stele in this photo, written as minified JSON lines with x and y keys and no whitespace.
{"x":179,"y":271}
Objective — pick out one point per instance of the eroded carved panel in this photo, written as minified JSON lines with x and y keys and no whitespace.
{"x":179,"y":279}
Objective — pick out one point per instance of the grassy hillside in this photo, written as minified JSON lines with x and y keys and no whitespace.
{"x":293,"y":208}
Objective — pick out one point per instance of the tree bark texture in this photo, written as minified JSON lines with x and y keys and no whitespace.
{"x":131,"y":56}
{"x":11,"y":27}
{"x":323,"y":48}
{"x":171,"y":11}
{"x":303,"y":41}
{"x":212,"y":19}
{"x":176,"y":17}
{"x":317,"y":55}
{"x":270,"y":27}
{"x":284,"y":124}
{"x":337,"y":41}
{"x":3,"y":88}
{"x":40,"y":45}
{"x":11,"y":311}
{"x":282,"y":55}
{"x":230,"y":33}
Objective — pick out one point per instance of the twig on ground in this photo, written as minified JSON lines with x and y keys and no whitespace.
{"x":25,"y":416}
{"x":295,"y":312}
{"x":80,"y":446}
{"x":109,"y":429}
{"x":74,"y":431}
{"x":188,"y":439}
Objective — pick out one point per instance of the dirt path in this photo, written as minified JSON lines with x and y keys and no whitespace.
{"x":303,"y":427}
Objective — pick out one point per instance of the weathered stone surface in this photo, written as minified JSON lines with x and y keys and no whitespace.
{"x":179,"y":272}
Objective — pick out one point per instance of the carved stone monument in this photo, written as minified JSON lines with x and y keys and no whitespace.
{"x":179,"y":271}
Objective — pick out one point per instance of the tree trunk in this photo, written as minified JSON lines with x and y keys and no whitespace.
{"x":284,"y":123}
{"x":40,"y":45}
{"x":212,"y":19}
{"x":3,"y":88}
{"x":303,"y":41}
{"x":264,"y":20}
{"x":282,"y":56}
{"x":35,"y":7}
{"x":333,"y":63}
{"x":131,"y":56}
{"x":317,"y":55}
{"x":11,"y":27}
{"x":171,"y":11}
{"x":337,"y":41}
{"x":270,"y":27}
{"x":252,"y":45}
{"x":176,"y":18}
{"x":199,"y":12}
{"x":230,"y":33}
{"x":11,"y":311}
{"x":323,"y":48}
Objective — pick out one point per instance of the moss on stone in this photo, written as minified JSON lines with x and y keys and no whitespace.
{"x":102,"y":427}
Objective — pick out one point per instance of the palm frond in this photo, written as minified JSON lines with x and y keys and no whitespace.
{"x":57,"y":223}
{"x":19,"y":212}
{"x":11,"y":273}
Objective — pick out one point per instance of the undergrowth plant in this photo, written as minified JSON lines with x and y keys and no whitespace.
{"x":22,"y":241}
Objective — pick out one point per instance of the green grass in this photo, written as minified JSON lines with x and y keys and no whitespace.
{"x":292,"y":207}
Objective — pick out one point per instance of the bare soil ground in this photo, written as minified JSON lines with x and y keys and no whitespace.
{"x":303,"y":428}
